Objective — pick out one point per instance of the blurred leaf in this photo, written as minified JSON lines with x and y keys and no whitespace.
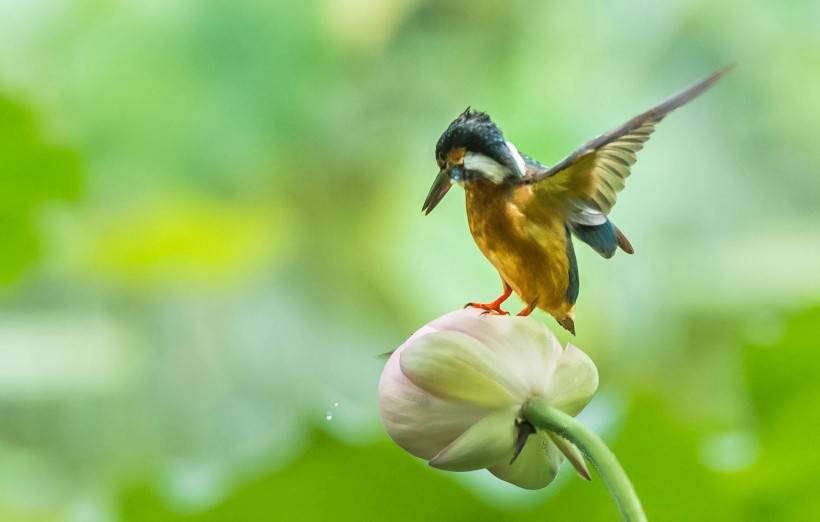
{"x":331,"y":481}
{"x":784,"y":382}
{"x":33,"y":172}
{"x":183,"y":241}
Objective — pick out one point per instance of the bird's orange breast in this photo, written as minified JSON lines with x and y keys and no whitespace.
{"x":526,"y":243}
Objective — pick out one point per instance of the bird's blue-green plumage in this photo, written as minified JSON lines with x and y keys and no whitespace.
{"x":574,"y":283}
{"x":602,"y":238}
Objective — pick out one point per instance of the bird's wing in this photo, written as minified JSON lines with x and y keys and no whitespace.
{"x":589,"y":179}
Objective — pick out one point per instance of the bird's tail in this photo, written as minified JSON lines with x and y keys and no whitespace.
{"x":623,"y":242}
{"x":604,"y":238}
{"x":568,"y":324}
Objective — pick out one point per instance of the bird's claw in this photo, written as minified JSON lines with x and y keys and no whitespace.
{"x":489,"y":308}
{"x":493,"y":307}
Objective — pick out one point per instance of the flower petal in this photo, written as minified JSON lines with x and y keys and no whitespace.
{"x":524,"y":346}
{"x":534,"y":350}
{"x":572,"y":453}
{"x":487,"y":443}
{"x":455,"y":366}
{"x":417,"y":421}
{"x":573,"y":383}
{"x":535,"y":467}
{"x":453,"y":320}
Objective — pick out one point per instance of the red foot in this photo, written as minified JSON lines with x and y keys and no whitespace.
{"x":488,"y":308}
{"x":495,"y":306}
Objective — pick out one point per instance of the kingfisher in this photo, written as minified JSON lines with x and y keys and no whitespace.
{"x":523,"y":214}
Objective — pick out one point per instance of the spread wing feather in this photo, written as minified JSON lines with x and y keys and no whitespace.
{"x":589,"y":180}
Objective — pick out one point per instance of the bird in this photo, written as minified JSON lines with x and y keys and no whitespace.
{"x":523,"y":215}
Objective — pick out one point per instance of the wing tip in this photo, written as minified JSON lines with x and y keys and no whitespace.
{"x":694,"y":91}
{"x":720,"y":73}
{"x":656,"y":113}
{"x":715,"y":76}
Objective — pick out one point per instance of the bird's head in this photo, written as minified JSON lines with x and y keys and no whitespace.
{"x":472,"y":148}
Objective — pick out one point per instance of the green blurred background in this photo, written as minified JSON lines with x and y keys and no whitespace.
{"x":210,"y":225}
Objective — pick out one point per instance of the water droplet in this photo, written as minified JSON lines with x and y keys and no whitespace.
{"x":336,"y":404}
{"x":328,"y":416}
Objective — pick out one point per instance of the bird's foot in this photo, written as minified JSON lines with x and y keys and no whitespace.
{"x":493,"y":308}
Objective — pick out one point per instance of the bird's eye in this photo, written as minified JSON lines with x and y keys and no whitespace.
{"x":440,"y":159}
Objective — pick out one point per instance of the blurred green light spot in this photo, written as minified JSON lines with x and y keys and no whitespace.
{"x":730,"y":451}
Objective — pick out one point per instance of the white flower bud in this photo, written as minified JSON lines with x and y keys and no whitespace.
{"x":452,"y":394}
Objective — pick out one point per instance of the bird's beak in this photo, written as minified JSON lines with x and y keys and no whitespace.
{"x":440,"y":187}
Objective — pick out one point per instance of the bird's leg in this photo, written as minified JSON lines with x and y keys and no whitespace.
{"x":527,"y":310}
{"x":494,"y":307}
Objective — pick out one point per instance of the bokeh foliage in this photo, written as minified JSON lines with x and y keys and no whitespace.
{"x":210,"y":224}
{"x":34,"y":173}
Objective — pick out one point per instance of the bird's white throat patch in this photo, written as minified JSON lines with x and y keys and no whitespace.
{"x":491,"y":169}
{"x":488,"y":167}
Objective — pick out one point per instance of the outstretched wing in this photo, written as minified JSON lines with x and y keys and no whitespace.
{"x":589,"y":179}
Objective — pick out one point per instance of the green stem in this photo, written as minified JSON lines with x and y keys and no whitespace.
{"x":542,"y":415}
